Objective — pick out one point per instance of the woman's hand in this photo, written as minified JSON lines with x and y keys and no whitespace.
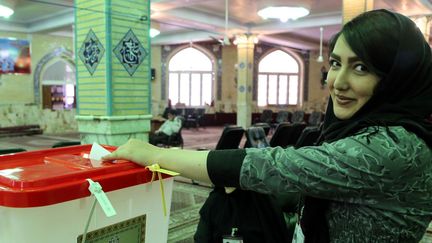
{"x":136,"y":151}
{"x":190,"y":164}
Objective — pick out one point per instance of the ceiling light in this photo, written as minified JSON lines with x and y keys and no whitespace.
{"x":283,"y":13}
{"x":154,"y":32}
{"x":5,"y":11}
{"x":6,"y":8}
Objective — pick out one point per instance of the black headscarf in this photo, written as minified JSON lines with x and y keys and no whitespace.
{"x":391,"y":46}
{"x":404,"y":94}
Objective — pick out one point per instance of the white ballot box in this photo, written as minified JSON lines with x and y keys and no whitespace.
{"x":45,"y":198}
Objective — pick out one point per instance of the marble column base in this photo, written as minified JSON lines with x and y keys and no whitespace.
{"x":113,"y":130}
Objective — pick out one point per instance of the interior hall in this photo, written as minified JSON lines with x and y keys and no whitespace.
{"x":234,"y":73}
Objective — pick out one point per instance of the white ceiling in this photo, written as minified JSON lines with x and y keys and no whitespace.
{"x":196,"y":20}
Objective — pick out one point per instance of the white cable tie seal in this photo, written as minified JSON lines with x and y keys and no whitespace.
{"x":96,"y":189}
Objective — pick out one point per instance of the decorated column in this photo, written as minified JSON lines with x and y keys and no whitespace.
{"x":352,"y":8}
{"x":424,"y":24}
{"x":245,"y":51}
{"x":113,"y":70}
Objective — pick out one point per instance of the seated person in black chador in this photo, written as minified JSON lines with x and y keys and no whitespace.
{"x":170,"y":126}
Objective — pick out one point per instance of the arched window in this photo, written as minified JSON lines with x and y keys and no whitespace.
{"x":190,"y":78}
{"x":58,"y":85}
{"x":278,"y":79}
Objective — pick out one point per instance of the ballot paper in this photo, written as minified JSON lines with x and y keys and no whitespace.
{"x":96,"y":154}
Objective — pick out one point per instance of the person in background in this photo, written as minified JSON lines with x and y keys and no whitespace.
{"x":369,"y":178}
{"x":170,"y":126}
{"x":168,"y":108}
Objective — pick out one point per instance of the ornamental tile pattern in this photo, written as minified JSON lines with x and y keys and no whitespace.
{"x":130,"y":52}
{"x":91,"y":52}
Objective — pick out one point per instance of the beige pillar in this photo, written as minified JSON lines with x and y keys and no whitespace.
{"x":245,"y":55}
{"x":424,"y":24}
{"x":113,"y":70}
{"x":352,"y":8}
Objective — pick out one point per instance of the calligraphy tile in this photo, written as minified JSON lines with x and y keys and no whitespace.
{"x":130,"y":52}
{"x":91,"y":52}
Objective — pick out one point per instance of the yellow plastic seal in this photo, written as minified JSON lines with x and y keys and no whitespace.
{"x":156,"y":169}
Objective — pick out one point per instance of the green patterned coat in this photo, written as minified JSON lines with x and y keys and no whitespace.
{"x":380,"y":188}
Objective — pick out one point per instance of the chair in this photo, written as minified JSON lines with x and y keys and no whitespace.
{"x":308,"y":137}
{"x":189,"y":119}
{"x":175,"y":140}
{"x":265,"y":126}
{"x":200,"y":112}
{"x":11,"y":150}
{"x":282,"y":116}
{"x":298,"y":117}
{"x":256,"y":138}
{"x":193,"y":117}
{"x":180,"y":112}
{"x":230,"y":138}
{"x":266,"y":117}
{"x":286,"y":134}
{"x":315,"y":118}
{"x":283,"y":134}
{"x":65,"y":144}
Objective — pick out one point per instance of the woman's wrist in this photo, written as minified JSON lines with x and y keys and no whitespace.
{"x":157,"y":155}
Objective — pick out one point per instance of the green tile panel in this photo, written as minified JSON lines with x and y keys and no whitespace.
{"x":94,"y":91}
{"x":130,"y":112}
{"x":130,"y":93}
{"x":92,"y":112}
{"x":137,"y":85}
{"x":82,"y":5}
{"x":127,"y":95}
{"x":92,"y":100}
{"x":137,"y":100}
{"x":92,"y":106}
{"x":99,"y":30}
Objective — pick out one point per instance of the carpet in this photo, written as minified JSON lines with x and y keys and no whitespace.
{"x":187,"y":200}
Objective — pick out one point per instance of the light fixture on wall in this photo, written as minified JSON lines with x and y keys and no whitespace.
{"x":154,"y":32}
{"x":154,"y":28}
{"x":6,"y":8}
{"x":283,"y":13}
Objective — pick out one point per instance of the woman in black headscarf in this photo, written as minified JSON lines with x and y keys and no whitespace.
{"x":393,"y":48}
{"x":370,"y":177}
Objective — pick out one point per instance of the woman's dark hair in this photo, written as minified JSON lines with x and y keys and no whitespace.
{"x":392,"y":47}
{"x":373,"y":38}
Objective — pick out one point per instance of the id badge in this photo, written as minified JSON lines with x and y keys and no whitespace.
{"x":232,"y":239}
{"x":298,"y":236}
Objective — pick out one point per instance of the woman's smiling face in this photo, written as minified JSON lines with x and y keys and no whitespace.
{"x":350,"y":82}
